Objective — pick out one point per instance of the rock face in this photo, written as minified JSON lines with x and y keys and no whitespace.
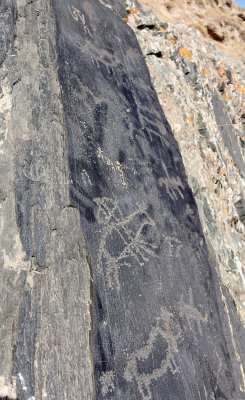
{"x":45,"y":277}
{"x":222,"y":21}
{"x":108,"y":288}
{"x":202,"y":92}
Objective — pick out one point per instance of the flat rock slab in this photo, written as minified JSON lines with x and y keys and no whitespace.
{"x":160,"y":327}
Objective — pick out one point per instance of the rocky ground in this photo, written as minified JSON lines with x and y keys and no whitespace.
{"x":219,"y":20}
{"x":201,"y":90}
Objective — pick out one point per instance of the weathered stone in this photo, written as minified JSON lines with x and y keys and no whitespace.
{"x":45,"y":314}
{"x":228,"y":133}
{"x":232,"y":266}
{"x":109,"y":288}
{"x":208,"y":126}
{"x":202,"y":127}
{"x":240,"y":207}
{"x":219,"y":20}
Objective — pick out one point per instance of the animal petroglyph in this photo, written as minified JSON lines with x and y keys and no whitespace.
{"x":191,"y":313}
{"x":161,"y":331}
{"x":116,"y":166}
{"x":173,"y":185}
{"x":127,"y":238}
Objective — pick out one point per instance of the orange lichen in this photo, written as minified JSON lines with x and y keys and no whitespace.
{"x":206,"y":72}
{"x":223,"y":171}
{"x":125,"y":20}
{"x":208,"y":51}
{"x":172,"y":41}
{"x":222,"y":79}
{"x":226,"y":95}
{"x":225,"y":209}
{"x":239,"y":87}
{"x":229,"y":180}
{"x":221,"y":70}
{"x":183,"y":51}
{"x":233,"y":163}
{"x":190,"y":119}
{"x":163,"y":29}
{"x":133,"y":11}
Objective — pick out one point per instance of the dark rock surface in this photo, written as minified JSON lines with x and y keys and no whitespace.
{"x":109,"y":288}
{"x":155,"y":304}
{"x":208,"y":126}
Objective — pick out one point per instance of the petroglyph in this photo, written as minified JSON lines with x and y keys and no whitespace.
{"x":163,"y":331}
{"x":106,"y":5}
{"x":191,"y":313}
{"x":174,"y":245}
{"x":77,"y":15}
{"x":115,"y":165}
{"x":174,"y":186}
{"x":107,"y":382}
{"x":127,"y":238}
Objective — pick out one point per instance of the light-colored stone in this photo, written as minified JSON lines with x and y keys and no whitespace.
{"x":220,"y":20}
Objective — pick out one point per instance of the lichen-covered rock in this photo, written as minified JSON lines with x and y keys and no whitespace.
{"x":202,"y":92}
{"x":222,"y":21}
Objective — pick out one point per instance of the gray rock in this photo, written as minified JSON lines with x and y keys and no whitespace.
{"x":45,"y":315}
{"x":109,"y":288}
{"x":209,"y":132}
{"x":240,"y":208}
{"x":227,"y":131}
{"x":202,"y":127}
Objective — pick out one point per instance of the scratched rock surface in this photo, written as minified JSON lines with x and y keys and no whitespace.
{"x":202,"y":92}
{"x":109,"y":290}
{"x":45,"y":276}
{"x":161,"y":324}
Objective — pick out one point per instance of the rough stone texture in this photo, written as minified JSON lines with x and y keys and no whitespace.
{"x":157,"y":325}
{"x":109,"y":290}
{"x":45,"y":309}
{"x":202,"y":93}
{"x":222,"y":21}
